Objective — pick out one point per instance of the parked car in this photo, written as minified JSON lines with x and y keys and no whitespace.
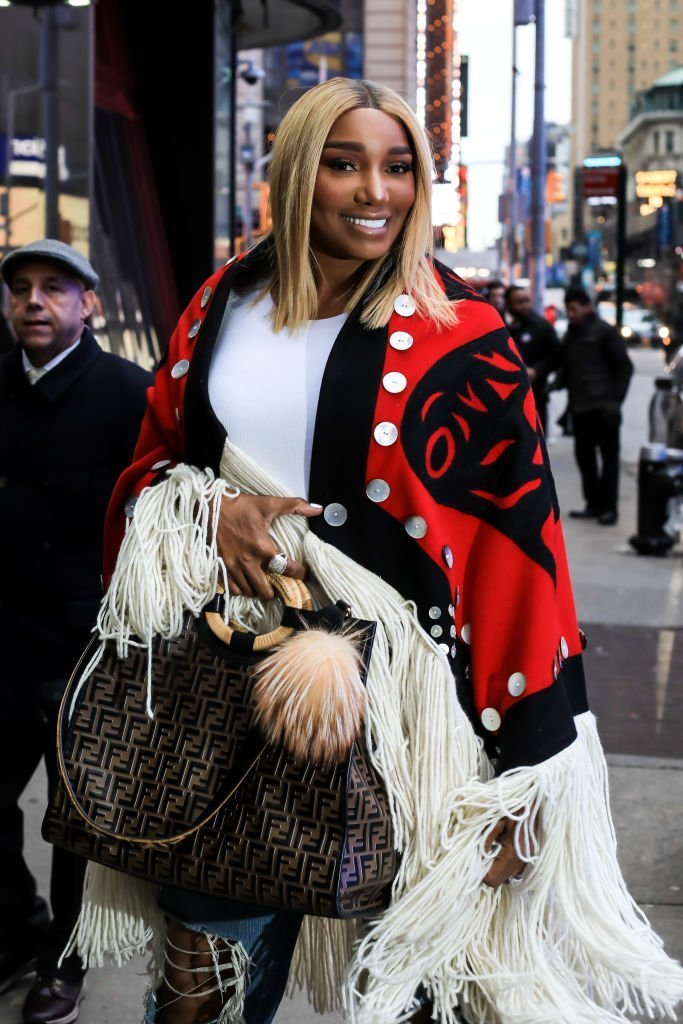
{"x":639,"y":325}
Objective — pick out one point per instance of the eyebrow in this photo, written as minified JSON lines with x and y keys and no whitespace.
{"x":359,"y":147}
{"x":51,"y":279}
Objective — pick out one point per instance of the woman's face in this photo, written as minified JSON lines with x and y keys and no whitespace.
{"x":364,"y":189}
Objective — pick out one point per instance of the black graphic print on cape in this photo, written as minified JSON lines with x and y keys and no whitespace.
{"x":468,"y":436}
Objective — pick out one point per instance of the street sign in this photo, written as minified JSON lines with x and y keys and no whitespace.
{"x":656,"y":184}
{"x":600,"y":181}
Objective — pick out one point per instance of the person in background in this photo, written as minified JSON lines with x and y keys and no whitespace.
{"x":537,"y":343}
{"x":69,"y":416}
{"x":596,"y":370}
{"x":495,"y":294}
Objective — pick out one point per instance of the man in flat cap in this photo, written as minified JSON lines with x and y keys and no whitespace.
{"x":69,"y":419}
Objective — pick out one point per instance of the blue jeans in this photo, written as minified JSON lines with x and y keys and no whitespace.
{"x":268,"y":939}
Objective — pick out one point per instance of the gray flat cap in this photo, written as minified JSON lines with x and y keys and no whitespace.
{"x":54,"y":251}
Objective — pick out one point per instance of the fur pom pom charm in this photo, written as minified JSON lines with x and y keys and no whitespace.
{"x":309,"y":695}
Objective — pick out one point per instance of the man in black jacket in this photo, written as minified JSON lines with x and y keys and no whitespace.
{"x":537,"y":343}
{"x":69,"y":418}
{"x":596,"y":371}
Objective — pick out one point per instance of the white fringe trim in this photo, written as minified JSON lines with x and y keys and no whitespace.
{"x":119,"y":918}
{"x":567,"y":946}
{"x":168,"y":565}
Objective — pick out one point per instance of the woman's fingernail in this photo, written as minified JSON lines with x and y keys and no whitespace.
{"x":314,"y":504}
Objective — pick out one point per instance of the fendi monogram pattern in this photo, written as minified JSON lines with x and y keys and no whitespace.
{"x":291,"y":836}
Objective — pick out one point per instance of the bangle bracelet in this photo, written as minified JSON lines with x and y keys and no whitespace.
{"x":231,"y":492}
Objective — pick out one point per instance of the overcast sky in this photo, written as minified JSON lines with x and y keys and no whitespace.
{"x":485,"y":35}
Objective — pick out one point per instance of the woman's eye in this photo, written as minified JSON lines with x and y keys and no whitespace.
{"x":400,"y":168}
{"x":342,"y":164}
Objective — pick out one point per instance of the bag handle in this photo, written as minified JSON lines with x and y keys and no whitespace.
{"x":293,"y":593}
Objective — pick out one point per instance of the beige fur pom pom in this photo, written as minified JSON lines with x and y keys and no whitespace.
{"x":309,"y":695}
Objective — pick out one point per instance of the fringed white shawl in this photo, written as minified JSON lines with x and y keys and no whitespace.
{"x":567,"y":945}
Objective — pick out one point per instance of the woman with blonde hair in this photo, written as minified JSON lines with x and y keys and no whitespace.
{"x":338,"y":361}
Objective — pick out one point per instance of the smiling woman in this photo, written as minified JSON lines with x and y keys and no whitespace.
{"x":337,"y":360}
{"x":364,"y":190}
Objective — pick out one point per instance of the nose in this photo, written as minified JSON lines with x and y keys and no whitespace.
{"x":35,"y":297}
{"x":372,"y":189}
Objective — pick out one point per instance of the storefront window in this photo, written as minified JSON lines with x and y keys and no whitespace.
{"x":45,"y":125}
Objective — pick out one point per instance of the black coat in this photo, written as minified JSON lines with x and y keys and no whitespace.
{"x":596,"y":368}
{"x":63,"y":442}
{"x":539,"y":348}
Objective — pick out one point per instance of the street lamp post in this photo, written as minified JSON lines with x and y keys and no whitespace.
{"x":49,"y":86}
{"x":538,"y":164}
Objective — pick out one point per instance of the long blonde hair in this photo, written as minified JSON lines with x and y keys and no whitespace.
{"x":296,"y":157}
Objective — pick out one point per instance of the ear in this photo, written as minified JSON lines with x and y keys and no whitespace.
{"x":88,"y":303}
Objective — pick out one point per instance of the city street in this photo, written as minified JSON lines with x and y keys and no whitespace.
{"x":631,"y":609}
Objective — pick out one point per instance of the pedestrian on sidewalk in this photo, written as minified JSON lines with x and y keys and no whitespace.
{"x":69,"y":416}
{"x":494,"y":292}
{"x":537,"y":342}
{"x":596,"y":370}
{"x":338,"y":360}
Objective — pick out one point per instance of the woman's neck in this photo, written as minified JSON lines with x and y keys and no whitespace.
{"x":335,"y":280}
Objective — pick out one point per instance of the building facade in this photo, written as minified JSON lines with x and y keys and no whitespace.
{"x":620,"y":48}
{"x":652,"y":148}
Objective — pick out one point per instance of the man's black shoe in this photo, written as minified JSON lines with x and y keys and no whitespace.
{"x":53,"y":1001}
{"x":608,"y":519}
{"x":583,"y":513}
{"x":14,"y":964}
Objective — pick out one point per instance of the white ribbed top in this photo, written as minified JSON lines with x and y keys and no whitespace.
{"x":264,"y":387}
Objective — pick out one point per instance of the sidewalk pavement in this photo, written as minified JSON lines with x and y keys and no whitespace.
{"x":618,"y":597}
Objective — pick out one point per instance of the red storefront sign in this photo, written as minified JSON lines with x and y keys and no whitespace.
{"x":600,"y":181}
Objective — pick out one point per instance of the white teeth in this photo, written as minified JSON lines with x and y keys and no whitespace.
{"x":365,"y":223}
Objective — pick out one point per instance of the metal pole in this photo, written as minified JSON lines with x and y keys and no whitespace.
{"x":512,"y":237}
{"x":538,"y":164}
{"x":232,"y":144}
{"x":621,"y":244}
{"x":48,"y":81}
{"x":248,"y":178}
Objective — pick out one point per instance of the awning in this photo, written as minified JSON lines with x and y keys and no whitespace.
{"x":264,"y":23}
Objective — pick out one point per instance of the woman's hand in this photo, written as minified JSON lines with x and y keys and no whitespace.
{"x":506,"y":864}
{"x":245,"y":545}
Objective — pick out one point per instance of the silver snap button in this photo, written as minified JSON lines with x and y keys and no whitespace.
{"x":180,"y":369}
{"x":385,"y":433}
{"x":404,"y":305}
{"x":454,"y":632}
{"x":416,"y":527}
{"x":378,"y":490}
{"x":401,"y":340}
{"x":161,"y":464}
{"x":194,"y":330}
{"x":454,"y":651}
{"x":465,"y":632}
{"x":436,"y":631}
{"x":335,"y":514}
{"x":434,"y":612}
{"x":445,"y":649}
{"x":451,"y":610}
{"x":490,"y":719}
{"x":517,"y":684}
{"x":447,"y":556}
{"x":394,"y":382}
{"x":564,"y":647}
{"x":129,"y":507}
{"x":206,"y":295}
